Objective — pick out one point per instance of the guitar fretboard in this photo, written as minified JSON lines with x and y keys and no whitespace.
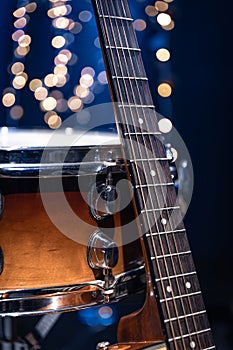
{"x":172,"y":267}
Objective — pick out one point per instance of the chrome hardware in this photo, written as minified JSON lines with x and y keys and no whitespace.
{"x":102,"y":251}
{"x":103,"y":345}
{"x":72,"y":297}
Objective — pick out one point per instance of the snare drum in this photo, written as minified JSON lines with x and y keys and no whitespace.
{"x":42,"y":269}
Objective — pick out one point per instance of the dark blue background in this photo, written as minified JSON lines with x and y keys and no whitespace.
{"x":202,"y":75}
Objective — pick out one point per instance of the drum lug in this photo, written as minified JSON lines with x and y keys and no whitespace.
{"x":102,"y":253}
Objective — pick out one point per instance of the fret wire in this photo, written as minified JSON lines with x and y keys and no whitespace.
{"x":176,"y":276}
{"x":180,"y":296}
{"x":183,"y":316}
{"x":130,"y":78}
{"x":154,"y":185}
{"x":189,"y":335}
{"x":169,"y":255}
{"x":123,"y":48}
{"x":141,"y":133}
{"x":117,"y":17}
{"x":159,"y":209}
{"x":136,"y":106}
{"x":163,"y":233}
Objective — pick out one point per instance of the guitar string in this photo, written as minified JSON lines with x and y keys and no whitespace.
{"x":119,"y":33}
{"x":130,"y":108}
{"x":173,"y":235}
{"x":137,"y":110}
{"x":160,"y":241}
{"x":194,"y":320}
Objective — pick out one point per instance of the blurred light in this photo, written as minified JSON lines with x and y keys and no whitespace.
{"x":170,"y":26}
{"x":16,"y":112}
{"x":49,"y":104}
{"x":168,"y":1}
{"x":102,"y":78}
{"x":161,"y":6}
{"x":21,"y":51}
{"x":61,"y":80}
{"x":163,"y":55}
{"x":86,"y":80}
{"x":69,"y":37}
{"x":98,"y":316}
{"x":106,"y":313}
{"x":98,"y":88}
{"x":61,"y":22}
{"x":47,"y":115}
{"x":20,"y":23}
{"x":88,"y":70}
{"x":81,"y":91}
{"x":8,"y":99}
{"x":164,"y":90}
{"x":60,"y":69}
{"x":75,"y":27}
{"x":24,"y":40}
{"x":97,"y":42}
{"x":60,"y":59}
{"x":75,"y":104}
{"x":20,"y":12}
{"x":59,"y":11}
{"x":50,"y":80}
{"x":54,"y":121}
{"x":17,"y":68}
{"x":41,"y":93}
{"x":139,"y":25}
{"x":17,"y":34}
{"x":19,"y":81}
{"x":31,"y":7}
{"x":62,"y":105}
{"x":89,"y":99}
{"x":67,"y":53}
{"x":56,"y":94}
{"x":151,"y":11}
{"x":34,"y":84}
{"x":83,"y":117}
{"x":85,"y":16}
{"x":58,"y":41}
{"x":73,"y":60}
{"x":165,"y":125}
{"x":164,"y":19}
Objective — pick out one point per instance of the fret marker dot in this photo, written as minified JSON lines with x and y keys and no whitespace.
{"x":140,"y":121}
{"x":169,"y":290}
{"x":163,"y":221}
{"x":188,"y":285}
{"x":192,"y":344}
{"x":153,"y":173}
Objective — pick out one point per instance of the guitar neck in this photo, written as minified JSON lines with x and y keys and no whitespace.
{"x":172,"y":269}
